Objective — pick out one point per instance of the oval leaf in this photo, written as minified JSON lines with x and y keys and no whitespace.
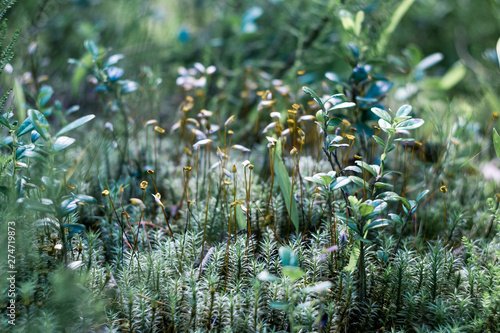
{"x":75,"y":124}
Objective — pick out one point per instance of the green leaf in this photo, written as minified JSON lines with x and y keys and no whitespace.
{"x":343,"y":105}
{"x":496,"y":143}
{"x":62,"y":142}
{"x":241,"y":218}
{"x":293,"y":273}
{"x":404,"y":111}
{"x":4,"y":122}
{"x":453,"y":76}
{"x":40,"y":123}
{"x":498,"y":51}
{"x":410,"y":124}
{"x":313,"y":95}
{"x":365,"y":209}
{"x":379,"y":141}
{"x":367,"y":167}
{"x":382,"y":114}
{"x":75,"y":124}
{"x":353,"y":260}
{"x":385,"y":35}
{"x":286,"y":188}
{"x":360,"y":182}
{"x":318,"y":287}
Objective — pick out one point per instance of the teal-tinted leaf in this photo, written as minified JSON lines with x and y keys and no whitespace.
{"x":496,"y":143}
{"x":429,"y":61}
{"x":279,"y":305}
{"x":91,"y":46}
{"x":68,"y":206}
{"x":115,"y":73}
{"x":365,"y":209}
{"x":404,"y":111}
{"x":339,"y":182}
{"x":382,"y":114}
{"x":382,"y":185}
{"x":377,"y":224}
{"x":74,"y":228}
{"x":410,"y":124}
{"x":44,"y":95}
{"x":378,"y":88}
{"x":286,"y":189}
{"x":113,"y":60}
{"x":75,"y":124}
{"x":85,"y":198}
{"x":396,"y":218}
{"x":25,"y":127}
{"x":34,"y":136}
{"x":4,"y":122}
{"x":287,"y":256}
{"x":72,"y":109}
{"x":128,"y":86}
{"x":421,"y":195}
{"x":294,"y":273}
{"x":40,"y":123}
{"x":62,"y":142}
{"x":314,"y":96}
{"x":334,"y":122}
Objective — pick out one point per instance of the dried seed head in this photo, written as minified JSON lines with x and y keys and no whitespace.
{"x":350,"y":137}
{"x":150,"y":171}
{"x":124,"y":213}
{"x":296,"y":106}
{"x":234,"y":168}
{"x":121,"y":189}
{"x":357,"y":157}
{"x":316,"y":190}
{"x":159,"y":129}
{"x":70,"y":187}
{"x":144,"y":185}
{"x":250,"y":166}
{"x":229,"y":121}
{"x":157,"y":197}
{"x":300,"y":73}
{"x":443,"y":189}
{"x":187,"y":168}
{"x":346,"y":122}
{"x":417,"y":144}
{"x":494,"y":115}
{"x":293,"y":152}
{"x":230,"y":132}
{"x":137,"y":202}
{"x":151,"y":122}
{"x":191,"y":202}
{"x":105,"y":193}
